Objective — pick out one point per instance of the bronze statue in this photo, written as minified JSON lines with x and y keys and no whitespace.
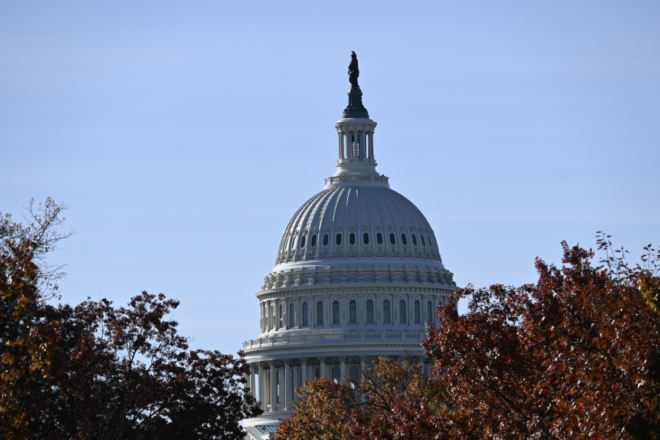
{"x":353,"y":71}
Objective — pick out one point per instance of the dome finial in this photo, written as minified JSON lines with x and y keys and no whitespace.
{"x":355,"y":108}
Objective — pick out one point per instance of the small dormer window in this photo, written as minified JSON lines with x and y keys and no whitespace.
{"x":414,"y":237}
{"x":338,"y":239}
{"x":302,"y":242}
{"x":392,"y":238}
{"x":351,"y":238}
{"x":404,"y":239}
{"x":365,"y":238}
{"x":313,"y":243}
{"x":326,"y":239}
{"x":379,"y":238}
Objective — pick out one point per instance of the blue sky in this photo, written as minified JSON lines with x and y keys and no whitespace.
{"x":184,"y":135}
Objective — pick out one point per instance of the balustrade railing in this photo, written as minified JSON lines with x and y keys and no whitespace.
{"x":349,"y":338}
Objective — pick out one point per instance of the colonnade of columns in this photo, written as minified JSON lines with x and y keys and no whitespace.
{"x":273,"y":382}
{"x":356,"y":144}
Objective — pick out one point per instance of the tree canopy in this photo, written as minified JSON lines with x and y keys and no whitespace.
{"x":98,"y":371}
{"x":573,"y":356}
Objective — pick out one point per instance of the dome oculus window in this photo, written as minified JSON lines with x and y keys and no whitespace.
{"x":423,"y":242}
{"x":404,"y":239}
{"x":352,"y":312}
{"x":305,"y":315}
{"x":387,"y":312}
{"x":313,"y":243}
{"x":338,"y":239}
{"x":326,"y":239}
{"x":365,"y":238}
{"x":392,"y":238}
{"x":319,"y":313}
{"x":351,"y":238}
{"x":414,"y":238}
{"x":370,"y":312}
{"x":335,"y":313}
{"x":302,"y":242}
{"x":379,"y":238}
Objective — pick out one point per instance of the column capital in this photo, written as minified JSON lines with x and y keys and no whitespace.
{"x":271,"y":363}
{"x":287,"y":362}
{"x":342,"y":358}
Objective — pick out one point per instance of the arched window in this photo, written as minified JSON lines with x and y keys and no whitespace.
{"x":313,"y":244}
{"x":429,"y":312}
{"x":319,"y":313}
{"x":402,"y":312}
{"x":292,"y":316}
{"x":404,"y":239}
{"x":352,"y":312}
{"x":305,"y":315}
{"x":392,"y":238}
{"x":379,"y":238}
{"x":326,"y":240}
{"x":335,"y":313}
{"x":416,"y":312}
{"x":354,"y":373}
{"x":302,"y":242}
{"x":336,"y":374}
{"x":414,"y":237}
{"x":338,"y":239}
{"x":370,"y":312}
{"x":351,"y":238}
{"x":281,"y":316}
{"x":365,"y":238}
{"x":423,"y":242}
{"x":387,"y":312}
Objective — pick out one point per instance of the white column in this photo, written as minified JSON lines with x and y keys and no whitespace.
{"x":262,"y":387}
{"x":363,"y":364}
{"x":341,"y":144}
{"x":371,"y":145}
{"x":322,"y":368}
{"x":287,"y":385}
{"x":273,"y":386}
{"x":349,"y":143}
{"x":253,"y":380}
{"x":342,"y":368}
{"x":363,"y":144}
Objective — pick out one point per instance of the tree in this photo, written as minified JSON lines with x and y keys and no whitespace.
{"x":574,"y":356}
{"x":96,"y":371}
{"x":391,"y":401}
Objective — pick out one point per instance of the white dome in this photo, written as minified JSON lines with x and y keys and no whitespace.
{"x":358,"y":222}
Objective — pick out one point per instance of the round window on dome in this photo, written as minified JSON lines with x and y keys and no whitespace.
{"x":414,"y":237}
{"x":326,"y":239}
{"x":302,"y":242}
{"x":338,"y":239}
{"x":392,"y":238}
{"x":313,"y":243}
{"x":379,"y":238}
{"x":404,"y":239}
{"x":365,"y":238}
{"x":423,"y":242}
{"x":351,"y":238}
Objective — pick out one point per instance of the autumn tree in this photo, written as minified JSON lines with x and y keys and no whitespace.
{"x":573,"y":356}
{"x":97,"y":371}
{"x":391,"y":401}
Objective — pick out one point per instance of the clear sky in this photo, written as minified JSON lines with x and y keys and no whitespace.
{"x":184,"y":135}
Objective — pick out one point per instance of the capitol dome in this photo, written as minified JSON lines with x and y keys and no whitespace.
{"x":365,"y":222}
{"x":358,"y":275}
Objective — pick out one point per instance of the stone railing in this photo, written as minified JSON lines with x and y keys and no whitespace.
{"x":334,"y":338}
